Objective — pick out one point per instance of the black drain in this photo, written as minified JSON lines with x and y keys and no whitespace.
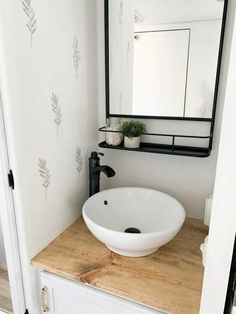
{"x":132,"y":230}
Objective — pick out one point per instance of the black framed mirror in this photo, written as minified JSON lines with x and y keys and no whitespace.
{"x":163,"y":60}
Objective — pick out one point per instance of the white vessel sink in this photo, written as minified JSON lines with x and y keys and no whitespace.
{"x":110,"y":215}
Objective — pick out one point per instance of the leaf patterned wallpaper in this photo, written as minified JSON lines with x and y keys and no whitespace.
{"x":76,"y":54}
{"x":50,"y":71}
{"x":121,"y":11}
{"x":55,"y":103}
{"x":45,"y":174}
{"x":79,"y":161}
{"x":31,"y":21}
{"x":57,"y":110}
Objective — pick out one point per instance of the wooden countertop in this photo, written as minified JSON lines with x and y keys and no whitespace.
{"x":169,"y":280}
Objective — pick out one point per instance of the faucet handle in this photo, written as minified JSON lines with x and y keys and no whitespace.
{"x":95,"y":154}
{"x":101,"y":154}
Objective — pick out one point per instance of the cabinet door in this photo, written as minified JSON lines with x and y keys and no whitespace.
{"x":68,"y":297}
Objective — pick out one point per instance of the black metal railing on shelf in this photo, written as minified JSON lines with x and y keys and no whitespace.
{"x":174,"y":136}
{"x":172,"y":148}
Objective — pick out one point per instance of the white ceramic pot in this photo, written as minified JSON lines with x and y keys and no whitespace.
{"x":133,"y":142}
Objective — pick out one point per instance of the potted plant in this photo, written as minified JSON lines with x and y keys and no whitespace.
{"x":132,"y":131}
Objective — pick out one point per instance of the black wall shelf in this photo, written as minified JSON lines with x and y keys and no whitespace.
{"x":163,"y":149}
{"x":156,"y":148}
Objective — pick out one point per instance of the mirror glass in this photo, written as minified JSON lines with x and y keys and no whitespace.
{"x":163,"y":57}
{"x":234,"y":308}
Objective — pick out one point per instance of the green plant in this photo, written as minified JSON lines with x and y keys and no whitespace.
{"x":133,"y":128}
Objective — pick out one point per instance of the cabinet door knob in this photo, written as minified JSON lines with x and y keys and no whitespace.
{"x":43,"y":296}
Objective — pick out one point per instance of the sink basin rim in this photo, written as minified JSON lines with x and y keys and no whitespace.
{"x":131,"y":235}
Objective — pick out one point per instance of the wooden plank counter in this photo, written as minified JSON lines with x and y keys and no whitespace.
{"x":169,"y":280}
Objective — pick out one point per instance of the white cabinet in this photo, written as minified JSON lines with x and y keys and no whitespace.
{"x":64,"y":296}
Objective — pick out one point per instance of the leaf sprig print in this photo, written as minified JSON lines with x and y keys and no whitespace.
{"x":128,"y":52}
{"x":121,"y":11}
{"x":30,"y":13}
{"x":76,"y":54}
{"x":57,"y":110}
{"x":79,"y":161}
{"x":44,"y":173}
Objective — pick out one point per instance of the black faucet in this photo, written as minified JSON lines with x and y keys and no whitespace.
{"x":94,"y":172}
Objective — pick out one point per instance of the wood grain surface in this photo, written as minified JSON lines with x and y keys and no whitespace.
{"x":5,"y":294}
{"x":169,"y":280}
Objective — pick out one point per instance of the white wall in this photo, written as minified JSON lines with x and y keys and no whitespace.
{"x":2,"y":249}
{"x":60,"y":58}
{"x":188,"y":179}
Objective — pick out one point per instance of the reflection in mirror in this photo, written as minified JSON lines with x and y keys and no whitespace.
{"x":163,"y":57}
{"x":234,"y":308}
